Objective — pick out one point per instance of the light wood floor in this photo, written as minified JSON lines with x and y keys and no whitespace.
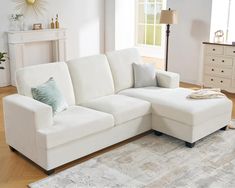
{"x":16,"y":171}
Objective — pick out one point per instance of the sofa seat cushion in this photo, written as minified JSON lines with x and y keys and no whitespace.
{"x":174,"y":104}
{"x":74,"y":123}
{"x":123,"y":108}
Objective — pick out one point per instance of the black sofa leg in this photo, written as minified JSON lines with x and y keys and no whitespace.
{"x":12,"y":149}
{"x":157,"y":133}
{"x":223,"y":128}
{"x":49,"y":172}
{"x":189,"y":145}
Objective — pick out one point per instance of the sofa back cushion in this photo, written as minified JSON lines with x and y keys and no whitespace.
{"x":33,"y":76}
{"x":91,"y":77}
{"x":121,"y":66}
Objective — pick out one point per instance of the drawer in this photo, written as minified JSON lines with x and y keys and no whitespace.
{"x":219,"y":71}
{"x":211,"y":60}
{"x":213,"y":81}
{"x":214,"y":49}
{"x":219,"y":60}
{"x":230,"y":50}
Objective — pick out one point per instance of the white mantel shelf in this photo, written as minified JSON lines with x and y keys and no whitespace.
{"x":15,"y":37}
{"x":19,"y":40}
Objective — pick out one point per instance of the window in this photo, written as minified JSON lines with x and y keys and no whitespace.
{"x":223,"y":15}
{"x":148,"y":29}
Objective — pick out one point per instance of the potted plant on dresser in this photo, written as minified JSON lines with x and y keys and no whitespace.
{"x":4,"y":70}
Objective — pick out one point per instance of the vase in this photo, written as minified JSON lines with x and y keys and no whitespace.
{"x":21,"y":23}
{"x":14,"y":25}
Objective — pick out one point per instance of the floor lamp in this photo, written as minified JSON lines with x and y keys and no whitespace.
{"x":168,"y":17}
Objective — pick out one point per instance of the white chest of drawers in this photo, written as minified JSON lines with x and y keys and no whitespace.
{"x":219,"y":66}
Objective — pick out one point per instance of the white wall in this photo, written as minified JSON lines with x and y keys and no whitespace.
{"x":84,"y":20}
{"x":119,"y":24}
{"x":185,"y":51}
{"x":109,"y":25}
{"x":125,"y":24}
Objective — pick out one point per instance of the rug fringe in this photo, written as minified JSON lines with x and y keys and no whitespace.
{"x":232,"y":124}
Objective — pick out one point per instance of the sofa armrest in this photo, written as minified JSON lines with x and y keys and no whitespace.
{"x":24,"y":111}
{"x":167,"y":79}
{"x":23,"y":117}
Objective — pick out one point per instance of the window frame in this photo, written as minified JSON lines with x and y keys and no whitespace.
{"x":146,"y":49}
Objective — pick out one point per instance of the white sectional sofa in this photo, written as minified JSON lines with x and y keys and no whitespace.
{"x":104,"y":109}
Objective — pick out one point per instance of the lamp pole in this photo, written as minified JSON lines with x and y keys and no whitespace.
{"x":167,"y":44}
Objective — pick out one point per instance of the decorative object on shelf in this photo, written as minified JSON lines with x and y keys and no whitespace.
{"x":57,"y":25}
{"x":2,"y":59}
{"x":168,"y":17}
{"x":37,"y":26}
{"x":37,"y":6}
{"x":219,"y":36}
{"x":52,"y":24}
{"x":17,"y":22}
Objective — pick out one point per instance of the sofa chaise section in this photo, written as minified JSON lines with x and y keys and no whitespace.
{"x":187,"y":119}
{"x":172,"y":112}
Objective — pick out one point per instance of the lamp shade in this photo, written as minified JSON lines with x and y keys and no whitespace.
{"x":169,"y":17}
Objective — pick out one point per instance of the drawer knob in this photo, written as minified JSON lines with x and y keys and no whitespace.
{"x":212,"y":79}
{"x":212,"y":69}
{"x":213,"y":59}
{"x":221,"y":81}
{"x":234,"y":52}
{"x":223,"y":61}
{"x":222,"y":71}
{"x":213,"y":49}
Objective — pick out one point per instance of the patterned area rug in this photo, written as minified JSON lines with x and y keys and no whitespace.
{"x":156,"y":162}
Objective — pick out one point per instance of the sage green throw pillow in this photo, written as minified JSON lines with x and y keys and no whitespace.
{"x":50,"y":94}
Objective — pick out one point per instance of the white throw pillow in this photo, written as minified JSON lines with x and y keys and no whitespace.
{"x":144,"y":75}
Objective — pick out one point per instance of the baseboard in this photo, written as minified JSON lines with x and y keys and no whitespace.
{"x":194,"y":82}
{"x":5,"y":84}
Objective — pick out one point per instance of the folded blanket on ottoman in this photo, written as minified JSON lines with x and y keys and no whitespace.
{"x":207,"y":94}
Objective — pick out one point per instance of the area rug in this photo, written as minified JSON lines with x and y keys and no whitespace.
{"x":155,"y":162}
